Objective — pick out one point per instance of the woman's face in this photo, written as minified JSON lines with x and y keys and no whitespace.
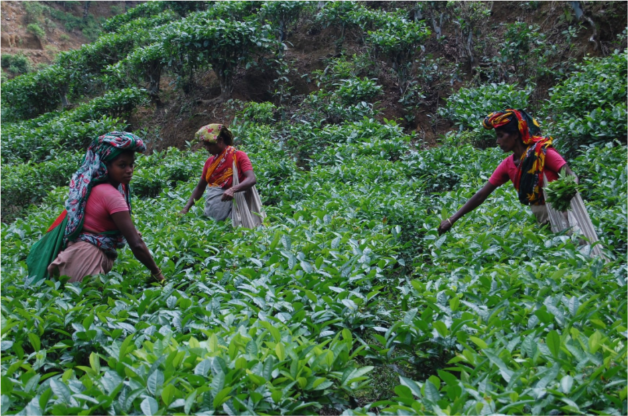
{"x":506,"y":141}
{"x":214,"y":148}
{"x":121,"y":169}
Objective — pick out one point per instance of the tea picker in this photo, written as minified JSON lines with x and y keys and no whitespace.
{"x":534,"y":163}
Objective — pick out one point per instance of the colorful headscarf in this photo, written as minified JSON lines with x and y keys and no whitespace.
{"x":209,"y":133}
{"x":92,"y":172}
{"x":529,"y":179}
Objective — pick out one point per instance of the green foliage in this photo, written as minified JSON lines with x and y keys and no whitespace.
{"x":497,"y":299}
{"x":590,"y":106}
{"x":397,"y":42}
{"x":468,"y":107}
{"x":35,"y":139}
{"x":349,"y":276}
{"x":233,"y":44}
{"x":355,"y":90}
{"x":89,"y":26}
{"x":34,"y":93}
{"x":36,"y":30}
{"x":17,"y":64}
{"x":34,"y":11}
{"x":147,"y":9}
{"x":258,"y":113}
{"x":281,"y":14}
{"x":561,"y":192}
{"x":525,"y":51}
{"x":28,"y":183}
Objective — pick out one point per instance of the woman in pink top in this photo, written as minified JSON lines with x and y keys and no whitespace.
{"x":532,"y":159}
{"x":97,"y":219}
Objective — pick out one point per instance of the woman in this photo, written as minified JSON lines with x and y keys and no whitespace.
{"x":533,"y":158}
{"x":217,"y":174}
{"x":97,"y":218}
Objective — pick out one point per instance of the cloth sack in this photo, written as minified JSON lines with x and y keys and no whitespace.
{"x":44,"y":251}
{"x":247,"y":206}
{"x":577,"y":219}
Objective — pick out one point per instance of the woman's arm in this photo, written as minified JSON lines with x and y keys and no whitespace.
{"x":197,"y":193}
{"x":474,"y":202}
{"x":124,"y":223}
{"x":249,"y":181}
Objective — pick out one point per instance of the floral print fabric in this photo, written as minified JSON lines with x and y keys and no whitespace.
{"x":209,"y":133}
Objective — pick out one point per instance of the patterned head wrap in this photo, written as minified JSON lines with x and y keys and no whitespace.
{"x":210,"y":133}
{"x":528,"y":126}
{"x":94,"y":171}
{"x":529,"y":179}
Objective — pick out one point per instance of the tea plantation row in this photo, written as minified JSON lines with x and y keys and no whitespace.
{"x":348,"y":275}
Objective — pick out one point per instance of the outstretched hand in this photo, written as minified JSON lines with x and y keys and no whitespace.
{"x":444,"y":226}
{"x":158,"y":277}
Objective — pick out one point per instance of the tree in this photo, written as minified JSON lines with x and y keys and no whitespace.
{"x":223,"y":45}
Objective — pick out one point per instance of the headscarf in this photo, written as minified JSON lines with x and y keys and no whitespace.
{"x":93,"y":171}
{"x":529,"y":179}
{"x":210,"y":133}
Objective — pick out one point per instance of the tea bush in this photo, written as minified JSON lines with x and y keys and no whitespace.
{"x":74,"y":129}
{"x":16,"y":64}
{"x":347,"y":280}
{"x":35,"y":93}
{"x":324,"y":276}
{"x":258,"y":113}
{"x":590,"y":106}
{"x":468,"y":107}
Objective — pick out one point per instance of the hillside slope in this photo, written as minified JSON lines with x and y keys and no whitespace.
{"x":348,"y":300}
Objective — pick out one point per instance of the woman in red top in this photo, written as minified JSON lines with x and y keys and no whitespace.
{"x":533,"y":158}
{"x":217,"y":174}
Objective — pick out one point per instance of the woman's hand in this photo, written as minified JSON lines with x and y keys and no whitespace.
{"x":228,"y":195}
{"x":445,"y":226}
{"x":184,"y":211}
{"x":158,"y":276}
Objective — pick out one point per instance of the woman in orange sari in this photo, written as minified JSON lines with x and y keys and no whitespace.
{"x":217,"y":176}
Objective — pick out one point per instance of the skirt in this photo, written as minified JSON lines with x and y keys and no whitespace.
{"x":80,"y":259}
{"x":215,"y":207}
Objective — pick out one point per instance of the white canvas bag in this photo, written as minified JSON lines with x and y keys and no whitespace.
{"x":247,"y":206}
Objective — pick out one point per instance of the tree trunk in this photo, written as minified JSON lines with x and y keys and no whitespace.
{"x":86,"y":9}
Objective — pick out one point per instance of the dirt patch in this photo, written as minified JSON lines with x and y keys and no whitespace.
{"x":17,"y":40}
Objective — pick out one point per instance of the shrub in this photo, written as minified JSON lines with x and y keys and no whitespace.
{"x":355,"y":90}
{"x":28,"y":183}
{"x":35,"y":93}
{"x":281,"y":14}
{"x":17,"y":64}
{"x":147,"y":9}
{"x":37,"y":31}
{"x":35,"y":140}
{"x":34,"y":11}
{"x":260,"y":113}
{"x":233,"y":44}
{"x":590,"y":106}
{"x":468,"y":107}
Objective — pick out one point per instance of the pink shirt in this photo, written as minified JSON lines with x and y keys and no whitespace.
{"x":508,"y":171}
{"x":103,"y":201}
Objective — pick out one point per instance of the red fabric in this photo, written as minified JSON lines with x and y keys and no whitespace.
{"x":103,"y":201}
{"x":58,"y":221}
{"x":242,"y":162}
{"x":508,"y":171}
